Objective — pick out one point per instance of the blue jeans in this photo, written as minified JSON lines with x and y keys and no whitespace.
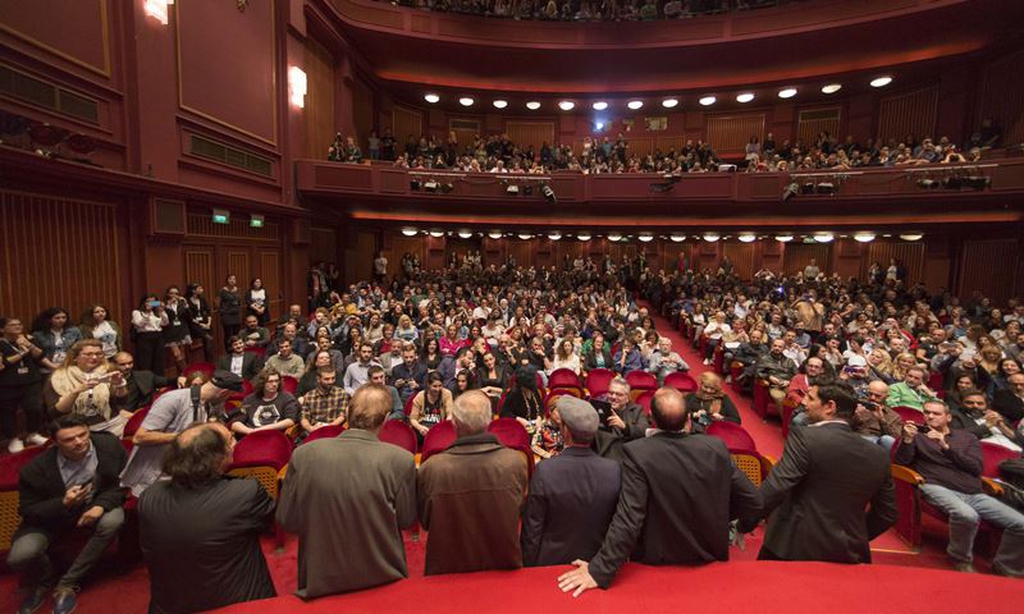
{"x":886,"y":441}
{"x":965,"y":513}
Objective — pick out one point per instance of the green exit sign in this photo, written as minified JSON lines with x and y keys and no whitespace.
{"x":256,"y":221}
{"x":221,"y":217}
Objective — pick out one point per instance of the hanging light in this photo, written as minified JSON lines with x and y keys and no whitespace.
{"x":831,"y":88}
{"x":466,"y":101}
{"x":646,"y":238}
{"x":525,"y":236}
{"x":864,"y":237}
{"x":824,"y":237}
{"x":583,"y":237}
{"x":410,"y":232}
{"x":677,"y":238}
{"x":783,"y":238}
{"x":711,"y":237}
{"x":431,"y":98}
{"x":600,"y":105}
{"x":465,"y":233}
{"x":747,"y":238}
{"x":495,"y":234}
{"x":670,"y":103}
{"x":911,"y":236}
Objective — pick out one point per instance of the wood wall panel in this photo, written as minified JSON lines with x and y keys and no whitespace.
{"x":910,"y":113}
{"x":466,"y":130}
{"x":405,"y":121}
{"x":58,"y":252}
{"x":362,"y":112}
{"x":270,"y":272}
{"x":742,"y":257}
{"x":238,"y":263}
{"x":77,"y":32}
{"x":798,"y":255}
{"x":813,"y":121}
{"x":992,"y":266}
{"x":1003,"y":97}
{"x":524,"y":133}
{"x":910,"y":254}
{"x":199,"y":269}
{"x":318,"y":114}
{"x":323,"y":245}
{"x":730,"y":133}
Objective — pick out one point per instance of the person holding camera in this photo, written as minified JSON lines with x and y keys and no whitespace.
{"x":148,"y":322}
{"x":87,"y":386}
{"x":951,"y":462}
{"x":874,"y":420}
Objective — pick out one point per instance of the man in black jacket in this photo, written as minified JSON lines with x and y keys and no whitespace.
{"x":625,"y":422}
{"x":818,"y":493}
{"x":141,"y":384}
{"x":243,"y":364}
{"x":679,"y":492}
{"x":572,"y":496}
{"x":72,"y":485}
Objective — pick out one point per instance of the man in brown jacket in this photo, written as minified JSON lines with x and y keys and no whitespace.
{"x":470,"y":496}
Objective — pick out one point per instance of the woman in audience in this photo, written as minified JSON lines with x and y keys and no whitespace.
{"x":19,"y":386}
{"x":961,"y":385}
{"x":86,"y":385}
{"x":492,"y":378}
{"x":229,"y":308}
{"x":430,"y":406}
{"x":97,"y":325}
{"x":709,"y":404}
{"x":257,"y":302}
{"x":54,"y":337}
{"x":451,"y":342}
{"x":548,"y":441}
{"x":431,"y":353}
{"x":989,"y":359}
{"x":566,"y":357}
{"x":628,"y":358}
{"x":322,"y":358}
{"x":1007,"y":368}
{"x":880,"y":366}
{"x":374,"y":328}
{"x":387,"y":339}
{"x":200,"y":325}
{"x":176,"y":331}
{"x":524,"y":402}
{"x":462,"y":384}
{"x":599,"y":356}
{"x":405,"y":331}
{"x":148,"y":322}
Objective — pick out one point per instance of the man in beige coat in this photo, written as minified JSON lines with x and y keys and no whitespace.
{"x":348,"y":498}
{"x":470,"y":496}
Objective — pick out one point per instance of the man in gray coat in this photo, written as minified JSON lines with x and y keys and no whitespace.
{"x":348,"y":498}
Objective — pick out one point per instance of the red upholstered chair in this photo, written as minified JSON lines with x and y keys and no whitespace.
{"x":909,"y":414}
{"x":132,"y":427}
{"x":437,"y":439}
{"x":565,"y":379}
{"x":993,"y":455}
{"x":398,"y":433}
{"x":552,"y":399}
{"x":513,"y":435}
{"x":597,"y":381}
{"x":10,"y":467}
{"x":640,"y":381}
{"x":762,"y":400}
{"x":263,"y":456}
{"x":718,"y":358}
{"x":206,"y":368}
{"x":935,"y":383}
{"x":735,"y":436}
{"x":789,"y":406}
{"x":289,"y":384}
{"x":702,"y":346}
{"x":644,"y":400}
{"x":755,"y":465}
{"x":240,"y":396}
{"x":735,"y":371}
{"x":324,"y":432}
{"x":258,"y":351}
{"x":408,"y":405}
{"x":683,"y":382}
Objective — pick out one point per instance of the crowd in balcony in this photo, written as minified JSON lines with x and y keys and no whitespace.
{"x":588,"y":10}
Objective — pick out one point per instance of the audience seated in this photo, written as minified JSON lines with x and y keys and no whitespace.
{"x":268,"y":408}
{"x":243,"y":364}
{"x":141,"y":385}
{"x":874,"y":420}
{"x":625,"y":421}
{"x":86,"y":385}
{"x":709,"y":404}
{"x":325,"y":405}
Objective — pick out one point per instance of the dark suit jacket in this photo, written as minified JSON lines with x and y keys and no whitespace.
{"x":571,"y":501}
{"x":251,"y":364}
{"x":1009,"y":405}
{"x":41,"y":489}
{"x":818,"y":493}
{"x":679,"y":492}
{"x":608,"y":442}
{"x":141,"y":388}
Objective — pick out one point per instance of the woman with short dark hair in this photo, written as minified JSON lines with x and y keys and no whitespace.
{"x":229,"y":308}
{"x":51,"y":334}
{"x":96,"y":324}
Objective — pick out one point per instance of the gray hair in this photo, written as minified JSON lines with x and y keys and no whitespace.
{"x":618,"y":380}
{"x":472,"y":412}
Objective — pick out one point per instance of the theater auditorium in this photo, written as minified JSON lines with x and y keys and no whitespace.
{"x":489,"y":305}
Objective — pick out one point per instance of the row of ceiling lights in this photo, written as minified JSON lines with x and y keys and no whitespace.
{"x":645,"y":237}
{"x":668,"y":103}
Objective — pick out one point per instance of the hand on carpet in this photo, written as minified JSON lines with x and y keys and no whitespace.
{"x":578,"y":580}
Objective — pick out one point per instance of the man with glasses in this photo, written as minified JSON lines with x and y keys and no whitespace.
{"x":625,"y":421}
{"x":975,"y":417}
{"x":1010,"y":402}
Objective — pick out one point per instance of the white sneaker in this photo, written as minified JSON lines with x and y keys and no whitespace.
{"x":15,"y":445}
{"x":706,"y":362}
{"x":35,"y":439}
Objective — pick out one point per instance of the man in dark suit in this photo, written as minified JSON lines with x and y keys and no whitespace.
{"x":72,"y":485}
{"x":1010,"y":401}
{"x":626,"y":422}
{"x":818,"y":493}
{"x":572,"y":496}
{"x":141,"y":384}
{"x":243,"y":364}
{"x":679,"y":493}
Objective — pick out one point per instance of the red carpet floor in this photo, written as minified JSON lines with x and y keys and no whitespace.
{"x":900,"y":580}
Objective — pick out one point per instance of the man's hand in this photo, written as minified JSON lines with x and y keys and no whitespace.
{"x":909,"y":432}
{"x":90,"y":516}
{"x":76,"y":495}
{"x":578,"y":580}
{"x":615,"y":421}
{"x":939,"y":437}
{"x":862,"y":414}
{"x":993,"y":418}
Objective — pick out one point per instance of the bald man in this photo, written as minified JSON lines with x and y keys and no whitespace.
{"x":679,"y":493}
{"x":874,"y":420}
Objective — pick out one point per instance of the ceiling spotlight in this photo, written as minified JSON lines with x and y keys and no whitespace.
{"x":646,"y":238}
{"x":831,"y":88}
{"x":583,"y":237}
{"x":669,"y":103}
{"x":881,"y":81}
{"x":466,"y":101}
{"x":410,"y":232}
{"x":745,"y":97}
{"x":789,"y":92}
{"x":566,"y":105}
{"x":525,"y":236}
{"x":864,"y":237}
{"x":711,"y":238}
{"x":911,"y":236}
{"x":614,"y":237}
{"x":554,"y":236}
{"x":600,"y":105}
{"x":678,"y":238}
{"x":747,"y":238}
{"x":465,"y":233}
{"x":635,"y":104}
{"x":783,"y":238}
{"x":707,"y":101}
{"x":500,"y":104}
{"x":437,"y":234}
{"x":598,"y":126}
{"x":495,"y":234}
{"x":533,"y":105}
{"x":431,"y":98}
{"x":824,"y":237}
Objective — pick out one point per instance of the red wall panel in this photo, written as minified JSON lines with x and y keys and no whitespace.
{"x":910,"y":113}
{"x":76,"y":32}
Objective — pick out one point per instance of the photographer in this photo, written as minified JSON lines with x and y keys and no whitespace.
{"x":874,"y":420}
{"x":85,"y":385}
{"x":148,"y":322}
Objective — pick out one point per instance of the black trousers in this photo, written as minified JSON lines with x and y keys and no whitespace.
{"x":29,"y":399}
{"x":230,"y":330}
{"x":149,"y":352}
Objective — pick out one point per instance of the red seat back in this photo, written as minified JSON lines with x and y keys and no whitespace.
{"x":564,"y":378}
{"x":734,"y":435}
{"x":598,"y":380}
{"x":11,"y":465}
{"x":204,"y":367}
{"x":262,"y":448}
{"x":289,"y":384}
{"x":397,"y":432}
{"x":642,"y":380}
{"x":437,"y":439}
{"x":135,"y":422}
{"x":324,"y":432}
{"x":683,"y":382}
{"x":909,"y":414}
{"x":644,"y":400}
{"x":513,"y":435}
{"x":993,"y":455}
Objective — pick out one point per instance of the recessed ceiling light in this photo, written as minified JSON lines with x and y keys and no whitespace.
{"x":783,"y":238}
{"x":711,"y":238}
{"x":745,"y":97}
{"x":678,"y":238}
{"x":635,"y":104}
{"x":583,"y":237}
{"x":525,"y":236}
{"x":431,"y":98}
{"x":554,"y":236}
{"x":495,"y":234}
{"x":465,"y":233}
{"x":881,"y":81}
{"x":437,"y":234}
{"x":500,"y":104}
{"x":533,"y":105}
{"x":614,"y":237}
{"x":646,"y":238}
{"x":824,"y":237}
{"x":410,"y":232}
{"x":669,"y":103}
{"x":707,"y":101}
{"x":566,"y":105}
{"x":911,"y":236}
{"x":747,"y":238}
{"x":831,"y":88}
{"x":466,"y":101}
{"x":864,"y":237}
{"x":789,"y":92}
{"x":600,"y":105}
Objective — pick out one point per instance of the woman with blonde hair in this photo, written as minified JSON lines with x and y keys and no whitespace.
{"x":902,"y":364}
{"x":880,"y":366}
{"x":88,"y":386}
{"x":709,"y":404}
{"x":405,"y":330}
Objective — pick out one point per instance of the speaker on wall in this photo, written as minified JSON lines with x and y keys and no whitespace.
{"x":167,"y":217}
{"x":301,"y":232}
